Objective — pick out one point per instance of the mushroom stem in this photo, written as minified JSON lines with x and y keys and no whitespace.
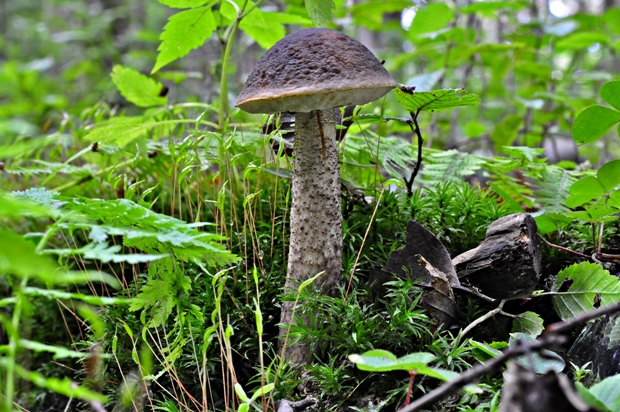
{"x":316,"y":218}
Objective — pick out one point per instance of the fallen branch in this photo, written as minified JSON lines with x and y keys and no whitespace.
{"x":551,"y":338}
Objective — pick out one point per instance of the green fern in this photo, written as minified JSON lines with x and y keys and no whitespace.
{"x":450,"y":166}
{"x":553,"y":183}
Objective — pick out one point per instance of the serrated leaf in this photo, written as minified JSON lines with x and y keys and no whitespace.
{"x":589,"y":281}
{"x":185,"y":31}
{"x":320,"y":11}
{"x":529,"y":323}
{"x":120,"y":130}
{"x":592,"y":123}
{"x":436,"y":100}
{"x":137,"y":88}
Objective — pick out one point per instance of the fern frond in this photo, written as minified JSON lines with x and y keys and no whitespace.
{"x":450,"y":165}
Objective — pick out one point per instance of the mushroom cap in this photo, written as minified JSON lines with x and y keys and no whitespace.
{"x":314,"y":69}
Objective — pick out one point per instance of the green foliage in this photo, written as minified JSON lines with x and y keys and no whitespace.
{"x":604,"y":396}
{"x":185,"y":31}
{"x":436,"y":100}
{"x":320,"y":11}
{"x":380,"y":360}
{"x":592,"y":123}
{"x":137,"y":88}
{"x":590,"y":282}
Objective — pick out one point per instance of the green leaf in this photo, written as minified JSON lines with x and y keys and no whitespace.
{"x":379,"y":360}
{"x":589,"y":281}
{"x":608,"y":392}
{"x":584,"y":190}
{"x":119,"y":130}
{"x":592,"y":123}
{"x":57,"y":351}
{"x":91,"y":300}
{"x":590,"y":399}
{"x":241,"y":393}
{"x":137,"y":88}
{"x":436,"y":100}
{"x":431,"y":18}
{"x":320,"y":11}
{"x":609,"y":175}
{"x":16,"y":205}
{"x":542,"y":363}
{"x":529,"y":323}
{"x":184,"y":4}
{"x":582,"y":40}
{"x":65,"y":386}
{"x":546,"y":224}
{"x":262,"y":391}
{"x":185,"y":31}
{"x":18,"y":257}
{"x":262,"y":29}
{"x":610,"y":92}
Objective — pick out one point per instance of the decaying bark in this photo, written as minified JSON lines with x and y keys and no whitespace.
{"x":507,"y":263}
{"x":316,"y":218}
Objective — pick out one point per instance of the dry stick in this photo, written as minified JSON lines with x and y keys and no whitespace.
{"x":565,"y":249}
{"x":372,"y":218}
{"x":551,"y":338}
{"x":484,"y":317}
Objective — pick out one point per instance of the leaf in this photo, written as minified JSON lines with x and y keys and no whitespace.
{"x":241,"y":393}
{"x":431,"y":18}
{"x":529,"y":323}
{"x":57,"y":351}
{"x":584,"y":190}
{"x":609,"y":175}
{"x":589,"y":281}
{"x":592,"y":123}
{"x":590,"y":399}
{"x":18,"y":257}
{"x":119,"y":130}
{"x":436,"y":100}
{"x":542,"y":363}
{"x":379,"y":360}
{"x":91,"y":300}
{"x":17,"y":204}
{"x":608,"y":392}
{"x":64,"y":386}
{"x":185,"y":31}
{"x":320,"y":11}
{"x":262,"y":29}
{"x":582,"y":40}
{"x":137,"y":88}
{"x":610,"y":92}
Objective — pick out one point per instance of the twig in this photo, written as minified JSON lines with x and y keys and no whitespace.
{"x":414,"y":122}
{"x":551,"y":338}
{"x":565,"y":249}
{"x":484,"y":317}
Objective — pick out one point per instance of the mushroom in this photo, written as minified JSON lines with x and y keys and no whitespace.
{"x":311,"y":72}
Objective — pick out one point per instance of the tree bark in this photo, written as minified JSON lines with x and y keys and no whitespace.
{"x":316,"y":218}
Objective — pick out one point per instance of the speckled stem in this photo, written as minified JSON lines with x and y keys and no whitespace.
{"x":316,"y":217}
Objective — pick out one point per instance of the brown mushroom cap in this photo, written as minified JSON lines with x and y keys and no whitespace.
{"x":314,"y":69}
